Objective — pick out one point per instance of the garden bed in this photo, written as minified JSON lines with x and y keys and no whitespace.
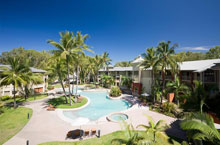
{"x":60,"y":103}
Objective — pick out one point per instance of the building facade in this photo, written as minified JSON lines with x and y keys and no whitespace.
{"x":39,"y":88}
{"x":206,"y":71}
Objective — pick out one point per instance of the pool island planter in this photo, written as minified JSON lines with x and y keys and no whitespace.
{"x":115,"y":98}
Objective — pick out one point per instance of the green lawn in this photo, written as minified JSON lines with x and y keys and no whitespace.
{"x":12,"y":121}
{"x":31,"y":98}
{"x":60,"y":103}
{"x":106,"y":140}
{"x":57,"y":86}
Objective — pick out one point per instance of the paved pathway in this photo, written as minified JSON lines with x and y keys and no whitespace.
{"x":46,"y":126}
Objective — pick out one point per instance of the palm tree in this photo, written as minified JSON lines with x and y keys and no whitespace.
{"x":165,"y":59}
{"x":77,"y":50}
{"x":178,"y":88}
{"x":13,"y":75}
{"x":201,"y":127}
{"x":157,"y":129}
{"x":30,"y":79}
{"x":106,"y":60}
{"x":123,"y":64}
{"x":150,"y":59}
{"x":64,"y":51}
{"x":57,"y":68}
{"x":97,"y":65}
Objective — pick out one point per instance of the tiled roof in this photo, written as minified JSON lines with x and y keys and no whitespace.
{"x":118,"y":69}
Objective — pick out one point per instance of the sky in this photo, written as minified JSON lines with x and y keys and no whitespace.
{"x":123,"y":28}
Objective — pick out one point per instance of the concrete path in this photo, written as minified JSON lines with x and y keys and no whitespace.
{"x":46,"y":126}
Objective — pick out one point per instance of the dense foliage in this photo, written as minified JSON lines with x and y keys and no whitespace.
{"x":115,"y":91}
{"x":37,"y":59}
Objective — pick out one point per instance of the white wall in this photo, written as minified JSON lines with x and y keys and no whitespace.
{"x":146,"y":80}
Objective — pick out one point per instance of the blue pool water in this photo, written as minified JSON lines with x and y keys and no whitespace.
{"x":99,"y":106}
{"x":119,"y":117}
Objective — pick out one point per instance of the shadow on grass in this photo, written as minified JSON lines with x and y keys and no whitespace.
{"x":175,"y":132}
{"x":57,"y":101}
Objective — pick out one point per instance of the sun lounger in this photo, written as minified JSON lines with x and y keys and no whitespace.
{"x":50,"y":108}
{"x":93,"y":131}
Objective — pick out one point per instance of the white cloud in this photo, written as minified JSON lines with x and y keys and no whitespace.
{"x":198,"y":48}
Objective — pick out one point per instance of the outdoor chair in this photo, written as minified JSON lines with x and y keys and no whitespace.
{"x":93,"y":131}
{"x":86,"y":132}
{"x":50,"y":108}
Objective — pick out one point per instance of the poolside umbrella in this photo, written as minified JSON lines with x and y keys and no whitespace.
{"x":145,"y":94}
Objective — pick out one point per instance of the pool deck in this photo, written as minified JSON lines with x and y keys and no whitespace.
{"x":46,"y":126}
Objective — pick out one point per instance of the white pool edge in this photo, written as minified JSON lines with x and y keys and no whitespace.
{"x":64,"y":118}
{"x":99,"y":120}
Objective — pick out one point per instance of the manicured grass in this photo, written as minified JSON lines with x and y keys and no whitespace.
{"x":60,"y":103}
{"x":57,"y":86}
{"x":106,"y":140}
{"x":12,"y":121}
{"x":30,"y":98}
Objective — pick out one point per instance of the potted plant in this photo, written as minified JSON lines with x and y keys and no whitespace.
{"x":170,"y":97}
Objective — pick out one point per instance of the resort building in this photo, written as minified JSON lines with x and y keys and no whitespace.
{"x":117,"y":73}
{"x":39,"y":88}
{"x":206,"y":71}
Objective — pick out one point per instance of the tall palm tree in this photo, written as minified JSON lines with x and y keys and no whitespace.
{"x":156,"y":128}
{"x":150,"y":59}
{"x":201,"y":127}
{"x":165,"y":60}
{"x":106,"y":60}
{"x":77,"y":50}
{"x":178,"y":88}
{"x":57,"y":68}
{"x":97,"y":65}
{"x":13,"y":75}
{"x":64,"y":48}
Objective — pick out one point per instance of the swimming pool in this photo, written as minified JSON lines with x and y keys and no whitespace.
{"x":100,"y":105}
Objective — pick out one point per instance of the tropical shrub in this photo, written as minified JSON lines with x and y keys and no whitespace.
{"x":6,"y":97}
{"x":50,"y":87}
{"x":107,"y":81}
{"x":200,"y":126}
{"x":131,"y":136}
{"x":126,"y":81}
{"x":115,"y":91}
{"x":170,"y":109}
{"x":156,"y":128}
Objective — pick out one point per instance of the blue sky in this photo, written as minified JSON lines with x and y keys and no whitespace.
{"x":124,"y":28}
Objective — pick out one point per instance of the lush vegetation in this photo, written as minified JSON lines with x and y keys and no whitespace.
{"x":69,"y":59}
{"x":37,"y":59}
{"x":21,"y":99}
{"x":61,"y":103}
{"x":107,"y":139}
{"x":107,"y":81}
{"x":126,"y":81}
{"x":123,"y":64}
{"x":115,"y":91}
{"x":12,"y":121}
{"x":200,"y":127}
{"x":20,"y":76}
